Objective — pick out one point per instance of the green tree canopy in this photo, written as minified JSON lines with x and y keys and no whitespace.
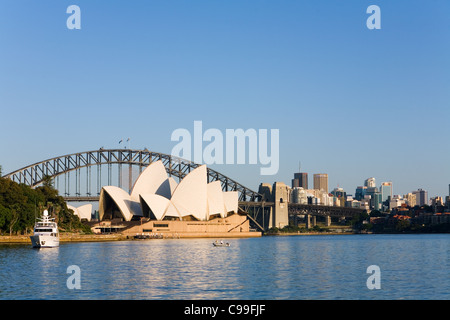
{"x":20,"y":205}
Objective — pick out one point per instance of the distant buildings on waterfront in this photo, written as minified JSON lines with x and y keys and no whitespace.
{"x":367,"y":196}
{"x":300,"y":180}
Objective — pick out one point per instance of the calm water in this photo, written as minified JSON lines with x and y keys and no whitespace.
{"x":295,"y":267}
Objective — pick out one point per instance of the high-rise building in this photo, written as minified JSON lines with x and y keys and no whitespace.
{"x":376,"y":200}
{"x":300,"y":180}
{"x":421,"y":197}
{"x":339,"y":192}
{"x":321,"y":181}
{"x":437,"y":201}
{"x":360,"y":192}
{"x":386,"y":191}
{"x":370,"y":183}
{"x":410,"y":199}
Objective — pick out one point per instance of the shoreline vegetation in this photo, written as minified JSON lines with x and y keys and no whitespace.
{"x":21,"y":205}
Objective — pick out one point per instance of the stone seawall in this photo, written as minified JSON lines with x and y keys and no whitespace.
{"x":67,"y":238}
{"x":119,"y":237}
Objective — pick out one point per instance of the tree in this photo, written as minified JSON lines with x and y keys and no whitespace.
{"x":357,"y":221}
{"x":402,"y":225}
{"x":4,"y":213}
{"x":47,"y":181}
{"x":20,"y":204}
{"x":376,"y":213}
{"x":13,"y":217}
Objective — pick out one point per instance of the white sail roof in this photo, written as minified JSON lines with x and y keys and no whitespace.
{"x":157,"y":204}
{"x":191,"y":193}
{"x":216,"y":203}
{"x":155,"y":192}
{"x":120,"y":197}
{"x":231,"y":199}
{"x":150,"y":180}
{"x":83,"y":212}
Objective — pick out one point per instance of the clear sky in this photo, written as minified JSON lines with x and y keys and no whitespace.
{"x":348,"y":101}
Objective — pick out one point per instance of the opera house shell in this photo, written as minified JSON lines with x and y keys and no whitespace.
{"x":83,"y":212}
{"x":158,"y":197}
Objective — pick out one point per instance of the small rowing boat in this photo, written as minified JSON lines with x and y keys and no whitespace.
{"x":220,"y":244}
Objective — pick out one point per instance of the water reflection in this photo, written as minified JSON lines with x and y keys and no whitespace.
{"x":299,"y":267}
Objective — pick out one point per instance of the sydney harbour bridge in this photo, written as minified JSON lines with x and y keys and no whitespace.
{"x":79,"y":177}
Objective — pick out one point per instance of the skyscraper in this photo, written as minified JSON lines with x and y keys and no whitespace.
{"x":386,"y":191}
{"x":370,"y":182}
{"x":321,"y":181}
{"x":300,"y":180}
{"x":360,"y":192}
{"x":421,"y":197}
{"x":376,"y":201}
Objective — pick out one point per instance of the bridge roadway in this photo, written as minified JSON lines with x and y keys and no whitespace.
{"x":302,"y":209}
{"x":263,"y":214}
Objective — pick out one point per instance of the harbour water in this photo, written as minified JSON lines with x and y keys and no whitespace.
{"x":277,"y":267}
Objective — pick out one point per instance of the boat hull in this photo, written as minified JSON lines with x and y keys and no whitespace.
{"x":221,"y":244}
{"x":44,"y":241}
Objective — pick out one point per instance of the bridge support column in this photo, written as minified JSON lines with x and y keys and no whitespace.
{"x":328,"y":221}
{"x":280,"y":213}
{"x":314,"y":221}
{"x":307,"y":221}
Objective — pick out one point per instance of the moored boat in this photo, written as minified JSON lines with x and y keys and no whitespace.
{"x":46,"y":234}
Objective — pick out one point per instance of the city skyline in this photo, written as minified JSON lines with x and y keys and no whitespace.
{"x":347,"y":100}
{"x":370,"y":182}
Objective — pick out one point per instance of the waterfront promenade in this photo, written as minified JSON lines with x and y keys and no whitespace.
{"x":24,"y":239}
{"x":66,"y":238}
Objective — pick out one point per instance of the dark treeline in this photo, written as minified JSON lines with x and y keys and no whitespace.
{"x":20,"y":205}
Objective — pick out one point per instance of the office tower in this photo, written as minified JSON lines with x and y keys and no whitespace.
{"x":437,"y":201}
{"x":370,"y":183}
{"x":300,"y":180}
{"x":339,"y":192}
{"x":321,"y":181}
{"x":360,"y":192}
{"x":376,"y":201}
{"x":386,"y":191}
{"x":410,"y":199}
{"x":421,"y":197}
{"x":371,"y":191}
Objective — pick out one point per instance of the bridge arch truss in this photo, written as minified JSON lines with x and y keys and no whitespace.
{"x":35,"y":174}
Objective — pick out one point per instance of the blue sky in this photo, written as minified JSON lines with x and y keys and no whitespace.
{"x":348,"y":101}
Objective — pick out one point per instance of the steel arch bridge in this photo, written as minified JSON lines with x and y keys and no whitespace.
{"x":67,"y":165}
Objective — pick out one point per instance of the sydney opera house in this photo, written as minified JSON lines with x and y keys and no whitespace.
{"x":191,"y":208}
{"x":83,"y":212}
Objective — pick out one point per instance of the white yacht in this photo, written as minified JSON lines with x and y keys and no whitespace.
{"x":46,"y":234}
